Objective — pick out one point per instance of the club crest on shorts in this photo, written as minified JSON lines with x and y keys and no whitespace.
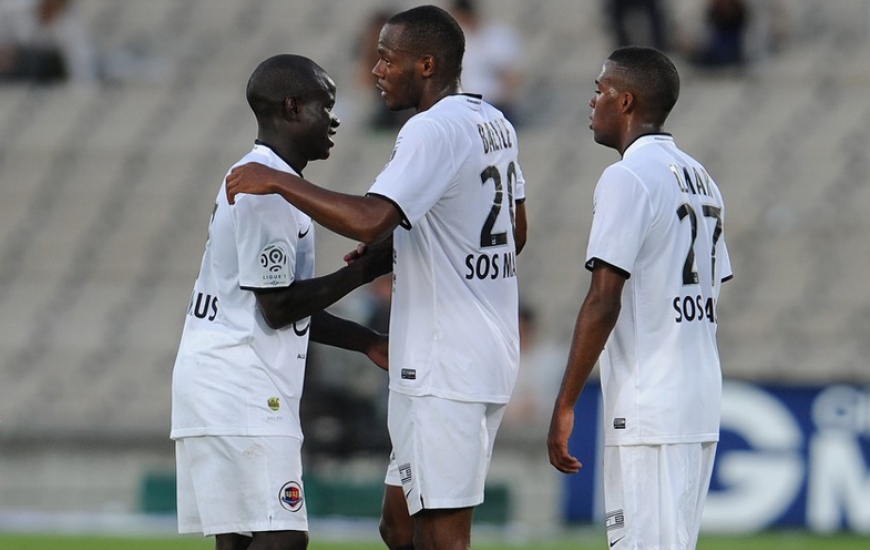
{"x":273,"y":263}
{"x":291,"y":496}
{"x":274,"y":403}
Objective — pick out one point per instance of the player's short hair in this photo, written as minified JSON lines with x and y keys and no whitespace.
{"x":280,"y":77}
{"x":652,"y":77}
{"x":431,"y":30}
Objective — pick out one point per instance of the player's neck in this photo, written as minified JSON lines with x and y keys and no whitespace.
{"x":636,"y":132}
{"x":286,"y":153}
{"x":435,"y":95}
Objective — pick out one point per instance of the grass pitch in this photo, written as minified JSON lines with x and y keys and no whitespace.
{"x":764,"y":541}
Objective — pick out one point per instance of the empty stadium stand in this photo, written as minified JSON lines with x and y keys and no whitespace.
{"x":106,"y":194}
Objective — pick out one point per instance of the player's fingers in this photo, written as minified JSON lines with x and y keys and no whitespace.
{"x":354,"y":255}
{"x":571,"y":464}
{"x":567,"y":464}
{"x":561,"y":459}
{"x":232,"y":190}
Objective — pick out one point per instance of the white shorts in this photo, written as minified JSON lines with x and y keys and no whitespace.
{"x":654,"y":494}
{"x":240,"y":485}
{"x":441,"y":450}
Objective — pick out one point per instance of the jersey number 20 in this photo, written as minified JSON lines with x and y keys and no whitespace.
{"x":487,"y":237}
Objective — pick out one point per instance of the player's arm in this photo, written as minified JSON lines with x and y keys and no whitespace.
{"x":368,"y":219}
{"x":596,"y":320}
{"x":334,"y":331}
{"x":282,"y":306}
{"x":522,"y":226}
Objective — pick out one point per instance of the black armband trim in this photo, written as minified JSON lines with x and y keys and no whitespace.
{"x":594,"y":262}
{"x":404,"y":221}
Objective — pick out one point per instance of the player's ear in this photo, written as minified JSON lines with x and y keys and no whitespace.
{"x":628,"y":101}
{"x":427,"y":65}
{"x":291,"y":108}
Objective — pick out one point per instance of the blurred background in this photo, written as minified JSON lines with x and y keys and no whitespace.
{"x":119,"y":119}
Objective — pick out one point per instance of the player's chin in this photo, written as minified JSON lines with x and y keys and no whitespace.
{"x":394,"y":104}
{"x":323,"y":153}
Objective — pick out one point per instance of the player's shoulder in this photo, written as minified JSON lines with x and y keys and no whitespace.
{"x":438,"y":125}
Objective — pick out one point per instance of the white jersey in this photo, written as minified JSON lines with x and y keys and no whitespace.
{"x":455,"y":178}
{"x":233,"y":374}
{"x":658,"y":217}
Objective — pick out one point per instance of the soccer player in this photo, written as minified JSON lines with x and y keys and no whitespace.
{"x":454,"y":188}
{"x":238,"y":375}
{"x":658,"y":257}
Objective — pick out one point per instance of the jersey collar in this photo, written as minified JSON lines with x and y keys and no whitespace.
{"x":258,"y":143}
{"x":473,"y":101}
{"x":646,"y":140}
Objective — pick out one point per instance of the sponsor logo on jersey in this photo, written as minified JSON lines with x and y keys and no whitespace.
{"x":203,"y":306}
{"x":618,"y":423}
{"x":274,"y":403}
{"x":409,"y":374}
{"x":499,"y":265}
{"x":301,"y":326}
{"x":273,"y":260}
{"x":694,"y":308}
{"x":291,"y":497}
{"x":301,"y":234}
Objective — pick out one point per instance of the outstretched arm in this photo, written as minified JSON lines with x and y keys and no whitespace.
{"x":366,"y":219}
{"x":596,"y":320}
{"x":330,"y":330}
{"x":304,"y":298}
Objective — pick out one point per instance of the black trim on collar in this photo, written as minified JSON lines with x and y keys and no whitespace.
{"x":635,"y":140}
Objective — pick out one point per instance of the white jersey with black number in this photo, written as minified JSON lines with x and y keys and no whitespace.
{"x":233,"y":374}
{"x":455,"y":177}
{"x":658,"y":217}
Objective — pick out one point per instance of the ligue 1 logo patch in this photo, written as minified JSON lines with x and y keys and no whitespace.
{"x":273,"y":261}
{"x":291,"y":496}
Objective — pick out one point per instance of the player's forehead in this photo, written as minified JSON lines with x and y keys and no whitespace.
{"x":323,"y":85}
{"x":392,"y":38}
{"x":611,"y":74}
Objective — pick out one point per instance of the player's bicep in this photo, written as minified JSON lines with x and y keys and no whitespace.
{"x":265,"y":242}
{"x":419,"y":172}
{"x":621,"y":218}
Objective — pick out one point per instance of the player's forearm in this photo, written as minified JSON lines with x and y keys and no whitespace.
{"x":522,"y":227}
{"x":304,"y":298}
{"x":334,"y":331}
{"x":595,"y":321}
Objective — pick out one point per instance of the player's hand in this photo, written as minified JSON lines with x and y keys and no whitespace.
{"x":378,"y":352}
{"x":252,"y":178}
{"x":374,"y":260}
{"x":355,"y":254}
{"x":561,"y":426}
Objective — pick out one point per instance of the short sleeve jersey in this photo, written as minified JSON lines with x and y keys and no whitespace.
{"x":455,"y":178}
{"x":658,"y":217}
{"x":233,"y":374}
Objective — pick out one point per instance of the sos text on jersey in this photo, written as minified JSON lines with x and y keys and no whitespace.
{"x":491,"y":266}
